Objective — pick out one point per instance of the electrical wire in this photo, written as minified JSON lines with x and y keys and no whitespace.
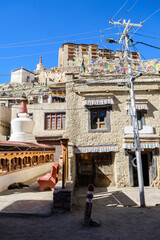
{"x":27,"y":55}
{"x":44,"y":39}
{"x":149,"y":45}
{"x":119,"y":10}
{"x":146,"y":36}
{"x":48,"y":43}
{"x":150,"y":32}
{"x":151,"y":15}
{"x":129,"y":10}
{"x":41,"y":44}
{"x":143,"y":63}
{"x":144,"y":10}
{"x":144,"y":20}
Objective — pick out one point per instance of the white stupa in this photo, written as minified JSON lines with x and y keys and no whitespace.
{"x":40,"y":66}
{"x":22,"y":126}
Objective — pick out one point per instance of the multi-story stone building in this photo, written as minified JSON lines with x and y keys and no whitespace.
{"x":93,"y":110}
{"x":99,"y":128}
{"x":71,"y":55}
{"x":47,"y":107}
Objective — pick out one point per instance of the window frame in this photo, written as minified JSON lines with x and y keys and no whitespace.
{"x":107,"y":118}
{"x":142,"y":120}
{"x":62,"y":115}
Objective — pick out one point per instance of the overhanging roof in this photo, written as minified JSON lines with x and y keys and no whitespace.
{"x":12,"y":146}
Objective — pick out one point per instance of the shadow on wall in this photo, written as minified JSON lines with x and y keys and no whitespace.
{"x":97,"y":177}
{"x":152,"y":109}
{"x":116,"y":104}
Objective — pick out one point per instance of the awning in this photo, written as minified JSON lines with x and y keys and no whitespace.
{"x":139,"y":105}
{"x":129,"y":144}
{"x":96,"y":148}
{"x":98,"y":101}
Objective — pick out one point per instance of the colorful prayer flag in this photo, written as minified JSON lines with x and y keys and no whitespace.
{"x":101,"y":64}
{"x":92,"y":60}
{"x":83,"y":66}
{"x":154,"y":68}
{"x":111,"y":67}
{"x":126,"y":69}
{"x":105,"y":65}
{"x":150,"y":68}
{"x":158,"y":66}
{"x":86,"y":60}
{"x":117,"y":68}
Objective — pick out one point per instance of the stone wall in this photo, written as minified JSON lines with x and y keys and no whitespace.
{"x":23,"y":175}
{"x":5,"y":118}
{"x":39,"y":111}
{"x":77,"y":117}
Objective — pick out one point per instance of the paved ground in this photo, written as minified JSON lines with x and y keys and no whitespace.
{"x":30,"y":201}
{"x":27,"y":200}
{"x":121,"y":218}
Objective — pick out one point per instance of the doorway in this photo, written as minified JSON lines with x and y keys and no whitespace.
{"x":146,"y":167}
{"x":95,"y":168}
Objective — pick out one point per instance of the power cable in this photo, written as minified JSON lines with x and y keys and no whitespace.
{"x":144,"y":10}
{"x":27,"y":55}
{"x":143,"y":63}
{"x":150,"y":32}
{"x":73,"y":40}
{"x":44,"y":39}
{"x":129,"y":10}
{"x":144,"y":21}
{"x":119,"y":10}
{"x":149,"y":45}
{"x":146,"y":36}
{"x":151,"y":15}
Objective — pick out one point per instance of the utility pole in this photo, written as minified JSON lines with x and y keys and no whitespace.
{"x":131,"y":78}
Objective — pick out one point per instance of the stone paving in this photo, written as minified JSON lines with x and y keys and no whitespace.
{"x":121,"y":197}
{"x":29,"y":200}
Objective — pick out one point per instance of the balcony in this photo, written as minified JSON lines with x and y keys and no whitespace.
{"x":144,"y":130}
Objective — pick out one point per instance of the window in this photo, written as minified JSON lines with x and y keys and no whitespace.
{"x":45,"y":99}
{"x":30,"y":115}
{"x":99,"y":119}
{"x":140,"y":118}
{"x":54,"y":121}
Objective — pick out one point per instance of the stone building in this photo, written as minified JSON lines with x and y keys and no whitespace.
{"x":71,"y":55}
{"x":5,"y":117}
{"x":22,"y":76}
{"x":93,"y":110}
{"x":49,"y":118}
{"x":98,"y":125}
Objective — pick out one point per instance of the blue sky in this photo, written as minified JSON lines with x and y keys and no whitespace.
{"x":25,"y":21}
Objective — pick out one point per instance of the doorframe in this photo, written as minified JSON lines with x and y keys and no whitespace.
{"x":150,"y":155}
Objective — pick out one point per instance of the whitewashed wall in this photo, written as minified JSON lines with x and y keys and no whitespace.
{"x":23,"y":175}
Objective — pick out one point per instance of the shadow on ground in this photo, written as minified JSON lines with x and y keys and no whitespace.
{"x":30,"y":207}
{"x":33,"y":187}
{"x":103,"y":198}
